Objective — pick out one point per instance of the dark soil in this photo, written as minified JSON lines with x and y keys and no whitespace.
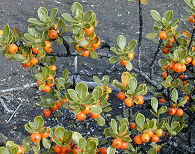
{"x":115,"y":17}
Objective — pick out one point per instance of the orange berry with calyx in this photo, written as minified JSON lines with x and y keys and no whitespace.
{"x":36,"y":50}
{"x":155,"y":138}
{"x":81,"y":116}
{"x":53,"y":34}
{"x":121,"y":95}
{"x":165,"y":50}
{"x":129,"y":102}
{"x":103,"y":150}
{"x":171,"y":40}
{"x":193,"y":62}
{"x":86,"y":53}
{"x":87,"y":109}
{"x":57,"y":148}
{"x":133,"y":125}
{"x":172,"y":111}
{"x":137,"y":139}
{"x":188,"y":60}
{"x":140,"y":100}
{"x":145,"y":137}
{"x":96,"y":45}
{"x":34,"y":61}
{"x":94,"y":115}
{"x":162,"y":100}
{"x":35,"y":137}
{"x":164,"y":75}
{"x":13,"y":48}
{"x":53,"y":67}
{"x":46,"y":112}
{"x":182,"y":77}
{"x":50,"y":80}
{"x":124,"y":145}
{"x":180,"y":112}
{"x":123,"y":62}
{"x":21,"y":150}
{"x":78,"y":48}
{"x":163,"y":35}
{"x":117,"y":143}
{"x":150,"y":132}
{"x":191,"y":19}
{"x":47,"y":88}
{"x":89,"y":30}
{"x":187,"y":97}
{"x":131,"y":55}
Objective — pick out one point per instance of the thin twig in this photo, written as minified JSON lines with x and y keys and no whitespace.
{"x":140,"y":35}
{"x":7,"y":121}
{"x":191,"y":40}
{"x":154,"y":58}
{"x":5,"y":106}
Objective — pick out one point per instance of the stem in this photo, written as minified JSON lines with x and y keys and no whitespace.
{"x":154,"y":58}
{"x":140,"y":35}
{"x":191,"y":40}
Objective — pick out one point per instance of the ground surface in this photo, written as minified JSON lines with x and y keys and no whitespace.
{"x":114,"y":16}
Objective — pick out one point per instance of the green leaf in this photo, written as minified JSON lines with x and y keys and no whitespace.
{"x":3,"y":150}
{"x":42,"y":14}
{"x":113,"y":59}
{"x":115,"y":51}
{"x":111,"y":150}
{"x":174,"y":95}
{"x":168,"y":15}
{"x":129,"y":66}
{"x":60,"y":40}
{"x":76,"y":6}
{"x":123,"y":128}
{"x":113,"y":125}
{"x":132,"y":85}
{"x":121,"y":42}
{"x":151,"y":35}
{"x":96,"y":109}
{"x":154,"y":104}
{"x":183,"y":101}
{"x":72,"y":93}
{"x":68,"y":18}
{"x":59,"y":132}
{"x":82,"y":143}
{"x":156,"y":16}
{"x":76,"y":137}
{"x":93,"y":55}
{"x":35,"y":21}
{"x":53,"y":13}
{"x":132,"y":44}
{"x":92,"y":145}
{"x":101,"y":121}
{"x":46,"y":143}
{"x":97,"y":80}
{"x":162,"y":110}
{"x":19,"y":57}
{"x":141,"y":90}
{"x":81,"y":89}
{"x":140,"y":120}
{"x":152,"y":151}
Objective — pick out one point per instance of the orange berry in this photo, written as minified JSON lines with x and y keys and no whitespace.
{"x":96,"y":45}
{"x":171,"y":66}
{"x":35,"y":137}
{"x":163,"y":35}
{"x":36,"y":50}
{"x":46,"y":112}
{"x":165,"y":50}
{"x":191,"y":19}
{"x":123,"y":62}
{"x":124,"y":145}
{"x":47,"y":88}
{"x":94,"y":115}
{"x":145,"y":137}
{"x":155,"y":138}
{"x":171,"y":40}
{"x":137,"y":139}
{"x":53,"y":67}
{"x":140,"y":100}
{"x":193,"y":62}
{"x":150,"y":132}
{"x":13,"y":48}
{"x":164,"y":75}
{"x":162,"y":100}
{"x":78,"y":48}
{"x":86,"y":53}
{"x":81,"y":116}
{"x":133,"y":125}
{"x":57,"y":148}
{"x":180,"y":112}
{"x":45,"y":135}
{"x":188,"y":60}
{"x":121,"y":95}
{"x":129,"y":102}
{"x":87,"y":109}
{"x":34,"y":61}
{"x":182,"y":77}
{"x":103,"y":150}
{"x":187,"y":97}
{"x":53,"y":34}
{"x":117,"y":143}
{"x":21,"y":150}
{"x":177,"y":67}
{"x":172,"y":111}
{"x":89,"y":30}
{"x":131,"y":55}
